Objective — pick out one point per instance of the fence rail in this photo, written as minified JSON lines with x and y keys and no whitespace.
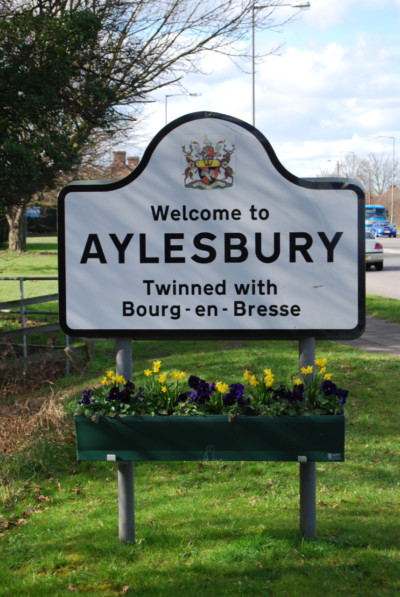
{"x":19,"y":306}
{"x":35,"y":300}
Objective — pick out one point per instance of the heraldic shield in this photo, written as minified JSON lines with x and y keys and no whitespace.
{"x":209,"y":165}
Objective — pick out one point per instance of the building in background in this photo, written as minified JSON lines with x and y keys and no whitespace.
{"x":121,"y":165}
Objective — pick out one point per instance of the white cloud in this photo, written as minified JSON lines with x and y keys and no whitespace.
{"x":327,"y":13}
{"x":321,"y":97}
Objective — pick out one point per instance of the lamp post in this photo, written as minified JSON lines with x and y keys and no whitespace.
{"x":174,"y":95}
{"x":301,"y":6}
{"x":393,"y":146}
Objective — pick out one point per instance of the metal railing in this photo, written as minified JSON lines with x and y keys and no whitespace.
{"x":20,"y":306}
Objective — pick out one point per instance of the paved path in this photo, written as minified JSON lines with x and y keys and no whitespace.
{"x":379,"y":336}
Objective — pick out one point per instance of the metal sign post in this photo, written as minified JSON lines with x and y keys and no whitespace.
{"x":126,"y":491}
{"x":308,"y":509}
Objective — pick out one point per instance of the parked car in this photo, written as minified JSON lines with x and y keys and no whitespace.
{"x":373,"y":252}
{"x":368,"y":224}
{"x":383,"y":229}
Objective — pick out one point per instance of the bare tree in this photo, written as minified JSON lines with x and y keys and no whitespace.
{"x":143,"y":45}
{"x":374,"y":171}
{"x":378,"y":169}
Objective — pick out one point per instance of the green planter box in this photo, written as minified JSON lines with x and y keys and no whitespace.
{"x":317,"y":438}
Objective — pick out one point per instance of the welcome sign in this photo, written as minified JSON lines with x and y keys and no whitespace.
{"x":211,"y":236}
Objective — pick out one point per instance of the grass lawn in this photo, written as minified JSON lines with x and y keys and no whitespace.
{"x":203,"y":529}
{"x":39,"y":260}
{"x":209,"y":528}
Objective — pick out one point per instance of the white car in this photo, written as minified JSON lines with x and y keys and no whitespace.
{"x":373,"y":252}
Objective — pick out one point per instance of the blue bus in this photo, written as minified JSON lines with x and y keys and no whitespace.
{"x":375,"y":213}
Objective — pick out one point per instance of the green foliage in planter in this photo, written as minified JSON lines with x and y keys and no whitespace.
{"x":164,"y":393}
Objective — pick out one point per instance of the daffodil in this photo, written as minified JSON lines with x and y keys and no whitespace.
{"x":162,"y":377}
{"x":148,"y":372}
{"x":321,"y":362}
{"x":307,"y":370}
{"x":268,"y":380}
{"x":156,"y":366}
{"x":253,"y":381}
{"x":222,"y":387}
{"x":178,"y":374}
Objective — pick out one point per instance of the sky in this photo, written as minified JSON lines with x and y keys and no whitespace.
{"x":333,"y":88}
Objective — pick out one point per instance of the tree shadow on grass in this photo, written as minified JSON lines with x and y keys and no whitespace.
{"x":167,"y":561}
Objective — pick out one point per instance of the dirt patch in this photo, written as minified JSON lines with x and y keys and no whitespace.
{"x":232,"y":344}
{"x":19,"y":421}
{"x":28,"y":404}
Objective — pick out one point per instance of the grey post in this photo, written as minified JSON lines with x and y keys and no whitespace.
{"x":308,"y":510}
{"x":126,"y":495}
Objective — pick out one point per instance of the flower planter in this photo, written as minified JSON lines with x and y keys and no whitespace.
{"x":315,"y":438}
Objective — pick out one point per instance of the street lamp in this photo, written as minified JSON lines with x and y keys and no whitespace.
{"x":174,"y":95}
{"x":393,"y":140}
{"x":301,"y":6}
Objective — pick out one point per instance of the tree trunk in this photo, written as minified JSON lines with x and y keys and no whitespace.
{"x":16,"y":223}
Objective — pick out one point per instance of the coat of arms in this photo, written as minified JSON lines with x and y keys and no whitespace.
{"x":208,"y":165}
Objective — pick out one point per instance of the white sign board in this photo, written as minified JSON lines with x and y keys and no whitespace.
{"x":211,"y":236}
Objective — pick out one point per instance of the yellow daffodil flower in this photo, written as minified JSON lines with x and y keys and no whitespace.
{"x":156,"y":366}
{"x":163,"y":389}
{"x":148,"y":372}
{"x":321,"y":362}
{"x":109,"y":374}
{"x":328,"y":376}
{"x":178,"y":374}
{"x":246,"y":375}
{"x":298,"y":382}
{"x":162,"y":377}
{"x":307,"y":370}
{"x":268,"y":380}
{"x":253,"y":381}
{"x":222,"y":387}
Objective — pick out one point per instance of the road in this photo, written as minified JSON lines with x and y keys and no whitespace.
{"x":387,"y":282}
{"x":380,"y":335}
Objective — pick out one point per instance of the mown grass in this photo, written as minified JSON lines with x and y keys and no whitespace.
{"x":211,"y":528}
{"x":383,"y":308}
{"x":39,"y":260}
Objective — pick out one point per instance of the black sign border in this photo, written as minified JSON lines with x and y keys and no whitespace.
{"x":214,"y":334}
